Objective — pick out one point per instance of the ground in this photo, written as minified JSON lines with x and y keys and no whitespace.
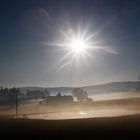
{"x":95,"y":128}
{"x":100,"y":119}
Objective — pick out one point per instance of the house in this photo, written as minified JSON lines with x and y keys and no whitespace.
{"x":59,"y":99}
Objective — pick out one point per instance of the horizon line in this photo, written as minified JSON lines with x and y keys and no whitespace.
{"x":39,"y":86}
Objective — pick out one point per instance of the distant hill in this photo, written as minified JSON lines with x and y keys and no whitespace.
{"x":113,"y":87}
{"x":53,"y":91}
{"x":91,"y":90}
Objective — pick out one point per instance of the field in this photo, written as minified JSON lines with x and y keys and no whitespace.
{"x":116,"y":118}
{"x":106,"y":108}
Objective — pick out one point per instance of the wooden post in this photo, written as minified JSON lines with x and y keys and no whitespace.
{"x":16,"y":104}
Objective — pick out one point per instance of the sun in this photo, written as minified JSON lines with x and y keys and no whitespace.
{"x":78,"y":45}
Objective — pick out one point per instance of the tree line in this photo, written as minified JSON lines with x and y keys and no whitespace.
{"x":10,"y":95}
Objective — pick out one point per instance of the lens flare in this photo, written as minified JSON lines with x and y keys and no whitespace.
{"x":78,"y":45}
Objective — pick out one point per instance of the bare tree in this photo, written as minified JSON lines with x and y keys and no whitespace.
{"x":80,"y":94}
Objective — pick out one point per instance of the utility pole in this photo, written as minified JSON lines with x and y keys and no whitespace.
{"x":16,"y":104}
{"x":37,"y":105}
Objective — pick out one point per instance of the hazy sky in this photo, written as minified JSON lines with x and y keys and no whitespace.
{"x":27,"y":28}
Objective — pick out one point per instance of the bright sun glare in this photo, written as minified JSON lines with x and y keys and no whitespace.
{"x":78,"y":45}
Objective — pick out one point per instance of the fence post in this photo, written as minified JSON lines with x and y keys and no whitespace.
{"x":16,"y":105}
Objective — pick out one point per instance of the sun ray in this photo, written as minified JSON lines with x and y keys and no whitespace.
{"x":79,"y":45}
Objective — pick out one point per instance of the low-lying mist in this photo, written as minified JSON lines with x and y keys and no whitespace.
{"x":105,"y":105}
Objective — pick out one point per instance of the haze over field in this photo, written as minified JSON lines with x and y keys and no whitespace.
{"x":108,"y":91}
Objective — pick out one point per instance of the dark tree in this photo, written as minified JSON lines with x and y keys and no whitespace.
{"x":139,"y":83}
{"x":35,"y":94}
{"x":139,"y":78}
{"x":1,"y":89}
